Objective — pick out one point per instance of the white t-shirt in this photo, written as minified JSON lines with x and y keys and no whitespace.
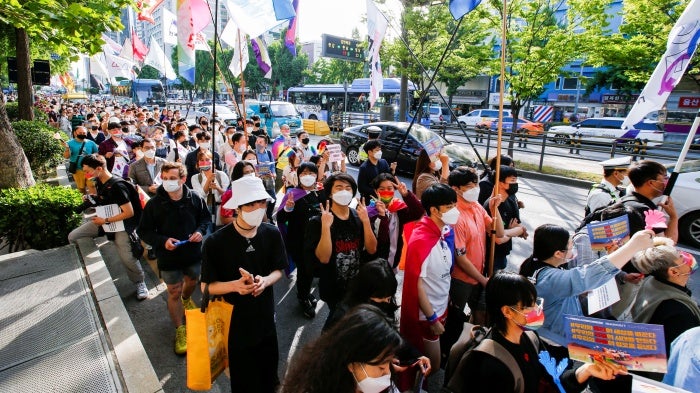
{"x":435,"y":273}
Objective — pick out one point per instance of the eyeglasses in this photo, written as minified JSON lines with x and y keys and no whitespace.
{"x":537,"y":308}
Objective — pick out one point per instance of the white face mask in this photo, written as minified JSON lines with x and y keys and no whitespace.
{"x":171,"y":185}
{"x":253,"y":218}
{"x":625,"y":181}
{"x":149,"y":153}
{"x":342,"y":197}
{"x":451,"y":216}
{"x":249,"y":129}
{"x":437,"y":165}
{"x":378,"y":155}
{"x":373,"y":385}
{"x":307,"y":180}
{"x":471,"y":195}
{"x":254,"y":162}
{"x":205,"y":145}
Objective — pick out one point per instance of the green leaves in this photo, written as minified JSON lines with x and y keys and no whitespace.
{"x":42,"y":150}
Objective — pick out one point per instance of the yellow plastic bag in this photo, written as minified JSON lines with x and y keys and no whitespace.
{"x":207,"y":343}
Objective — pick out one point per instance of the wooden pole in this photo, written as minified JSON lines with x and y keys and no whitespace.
{"x":240,"y":59}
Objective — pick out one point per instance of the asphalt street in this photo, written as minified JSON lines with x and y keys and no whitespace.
{"x":544,"y":203}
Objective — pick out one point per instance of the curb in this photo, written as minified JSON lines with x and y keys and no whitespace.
{"x":566,"y":181}
{"x":135,"y":368}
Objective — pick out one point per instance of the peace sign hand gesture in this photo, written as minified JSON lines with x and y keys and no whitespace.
{"x":362,"y":211}
{"x":401,"y":187}
{"x":326,"y":215}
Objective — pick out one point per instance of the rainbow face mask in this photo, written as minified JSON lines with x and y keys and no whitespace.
{"x":534,"y":319}
{"x":690,"y":261}
{"x":385,"y":196}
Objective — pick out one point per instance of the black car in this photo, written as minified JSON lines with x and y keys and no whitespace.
{"x":393,"y":134}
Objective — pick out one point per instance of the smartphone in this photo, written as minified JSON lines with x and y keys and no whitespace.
{"x":181,"y":242}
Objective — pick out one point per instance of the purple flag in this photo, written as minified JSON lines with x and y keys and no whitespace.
{"x":262,"y":57}
{"x":290,"y":37}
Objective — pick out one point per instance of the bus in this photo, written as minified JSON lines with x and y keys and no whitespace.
{"x":322,"y":102}
{"x":141,"y":92}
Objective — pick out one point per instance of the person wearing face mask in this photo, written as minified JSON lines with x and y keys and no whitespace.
{"x":429,"y":261}
{"x":203,"y":139}
{"x":162,"y":145}
{"x":514,"y":311}
{"x":487,"y":182}
{"x":473,"y":226}
{"x":338,"y":239}
{"x":552,"y":249}
{"x":110,"y":149}
{"x":173,"y":216}
{"x":373,"y":133}
{"x":266,"y":170}
{"x":238,"y":147}
{"x":355,"y":356}
{"x":307,"y":150}
{"x":510,"y":214}
{"x":297,"y":207}
{"x":242,"y":261}
{"x":289,"y":174}
{"x":280,"y":150}
{"x":430,"y":172}
{"x":607,"y":192}
{"x":664,"y":297}
{"x":210,"y":184}
{"x":242,"y":168}
{"x":371,"y":168}
{"x":144,"y":172}
{"x":390,"y":215}
{"x":75,"y":150}
{"x":94,"y":134}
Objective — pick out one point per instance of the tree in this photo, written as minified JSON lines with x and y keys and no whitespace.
{"x":542,"y":37}
{"x":630,"y":55}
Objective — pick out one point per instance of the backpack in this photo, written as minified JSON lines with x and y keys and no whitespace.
{"x":137,"y":202}
{"x":477,"y":338}
{"x":596,"y":215}
{"x":599,"y":186}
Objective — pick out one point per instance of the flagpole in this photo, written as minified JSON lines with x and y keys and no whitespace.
{"x":496,"y":188}
{"x":240,"y":59}
{"x":229,"y":91}
{"x":681,"y":157}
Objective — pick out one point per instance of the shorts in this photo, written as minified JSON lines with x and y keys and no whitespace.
{"x":425,"y":331}
{"x":171,"y":277}
{"x":79,"y":177}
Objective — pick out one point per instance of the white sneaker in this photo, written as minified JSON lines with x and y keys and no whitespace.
{"x":141,"y":291}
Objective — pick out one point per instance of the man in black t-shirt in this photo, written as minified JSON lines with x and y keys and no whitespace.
{"x":111,"y":190}
{"x":337,"y":239}
{"x":240,"y":261}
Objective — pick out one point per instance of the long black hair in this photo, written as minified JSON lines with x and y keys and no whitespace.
{"x":364,"y":335}
{"x":548,"y":239}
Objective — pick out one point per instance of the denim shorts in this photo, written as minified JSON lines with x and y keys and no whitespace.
{"x":175,"y":276}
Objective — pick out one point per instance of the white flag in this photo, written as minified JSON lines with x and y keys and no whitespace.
{"x":682,"y":42}
{"x":169,"y":28}
{"x":97,"y":66}
{"x":119,"y":66}
{"x":127,"y":51}
{"x":200,"y":42}
{"x":240,"y":49}
{"x":156,"y":59}
{"x":254,"y":17}
{"x":376,"y":28}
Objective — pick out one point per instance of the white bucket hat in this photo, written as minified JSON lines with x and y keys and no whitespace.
{"x":245,"y":190}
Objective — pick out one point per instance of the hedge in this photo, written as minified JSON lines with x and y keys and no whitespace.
{"x":38,"y":217}
{"x":13,"y":112}
{"x":43,"y":151}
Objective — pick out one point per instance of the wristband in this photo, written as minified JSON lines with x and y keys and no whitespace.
{"x":433,"y":318}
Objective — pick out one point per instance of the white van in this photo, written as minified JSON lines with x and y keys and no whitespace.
{"x":478,"y":116}
{"x":605,"y":130}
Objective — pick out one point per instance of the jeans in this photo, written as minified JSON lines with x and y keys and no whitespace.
{"x":121,"y":240}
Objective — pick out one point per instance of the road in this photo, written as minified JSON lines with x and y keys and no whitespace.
{"x":544,"y":203}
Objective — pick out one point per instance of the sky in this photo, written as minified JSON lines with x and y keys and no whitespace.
{"x":337,"y":17}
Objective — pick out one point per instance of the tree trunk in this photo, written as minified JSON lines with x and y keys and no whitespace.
{"x":14,"y":171}
{"x":24,"y":76}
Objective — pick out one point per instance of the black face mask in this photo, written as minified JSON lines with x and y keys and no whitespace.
{"x":512,"y":189}
{"x":305,"y":141}
{"x":80,"y":136}
{"x":94,"y":128}
{"x":257,"y":124}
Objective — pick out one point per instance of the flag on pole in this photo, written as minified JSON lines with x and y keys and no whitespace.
{"x":290,"y":37}
{"x":156,"y":59}
{"x":146,"y":9}
{"x":254,"y":17}
{"x":169,"y":28}
{"x":240,"y":50}
{"x":376,"y":28}
{"x":119,"y":67}
{"x":262,"y":57}
{"x":110,"y":45}
{"x":459,"y":8}
{"x":97,"y":66}
{"x":200,"y":42}
{"x":127,"y":51}
{"x":139,"y":48}
{"x":682,"y":42}
{"x":193,"y":16}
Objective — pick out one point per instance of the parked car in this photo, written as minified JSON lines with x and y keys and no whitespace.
{"x":393,"y":134}
{"x":685,"y":199}
{"x":223,"y":114}
{"x":608,"y":129}
{"x":477,"y":116}
{"x":524,"y":126}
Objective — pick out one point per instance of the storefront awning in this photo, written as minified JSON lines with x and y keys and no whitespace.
{"x":467,"y":100}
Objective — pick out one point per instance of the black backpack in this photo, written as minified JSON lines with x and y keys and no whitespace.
{"x":133,"y":195}
{"x":627,"y":201}
{"x":478,"y":338}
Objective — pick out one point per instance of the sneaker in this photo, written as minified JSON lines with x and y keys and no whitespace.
{"x":188,"y":304}
{"x":307,"y":308}
{"x":181,"y":340}
{"x":141,"y":291}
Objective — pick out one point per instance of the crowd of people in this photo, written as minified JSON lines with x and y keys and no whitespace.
{"x":233,"y":209}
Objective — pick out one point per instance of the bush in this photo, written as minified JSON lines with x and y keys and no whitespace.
{"x":13,"y":113}
{"x":38,"y":217}
{"x":42,"y":150}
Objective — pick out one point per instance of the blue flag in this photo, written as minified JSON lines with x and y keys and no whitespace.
{"x":459,"y":8}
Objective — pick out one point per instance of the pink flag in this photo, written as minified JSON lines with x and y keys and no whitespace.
{"x":139,"y":48}
{"x":146,"y":9}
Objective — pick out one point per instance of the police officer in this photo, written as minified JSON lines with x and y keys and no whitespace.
{"x":607,"y":192}
{"x":373,"y":133}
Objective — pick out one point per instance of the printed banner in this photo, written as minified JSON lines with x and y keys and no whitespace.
{"x":637,"y":346}
{"x":603,"y":234}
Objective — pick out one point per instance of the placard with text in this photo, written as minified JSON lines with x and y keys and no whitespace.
{"x":637,"y":346}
